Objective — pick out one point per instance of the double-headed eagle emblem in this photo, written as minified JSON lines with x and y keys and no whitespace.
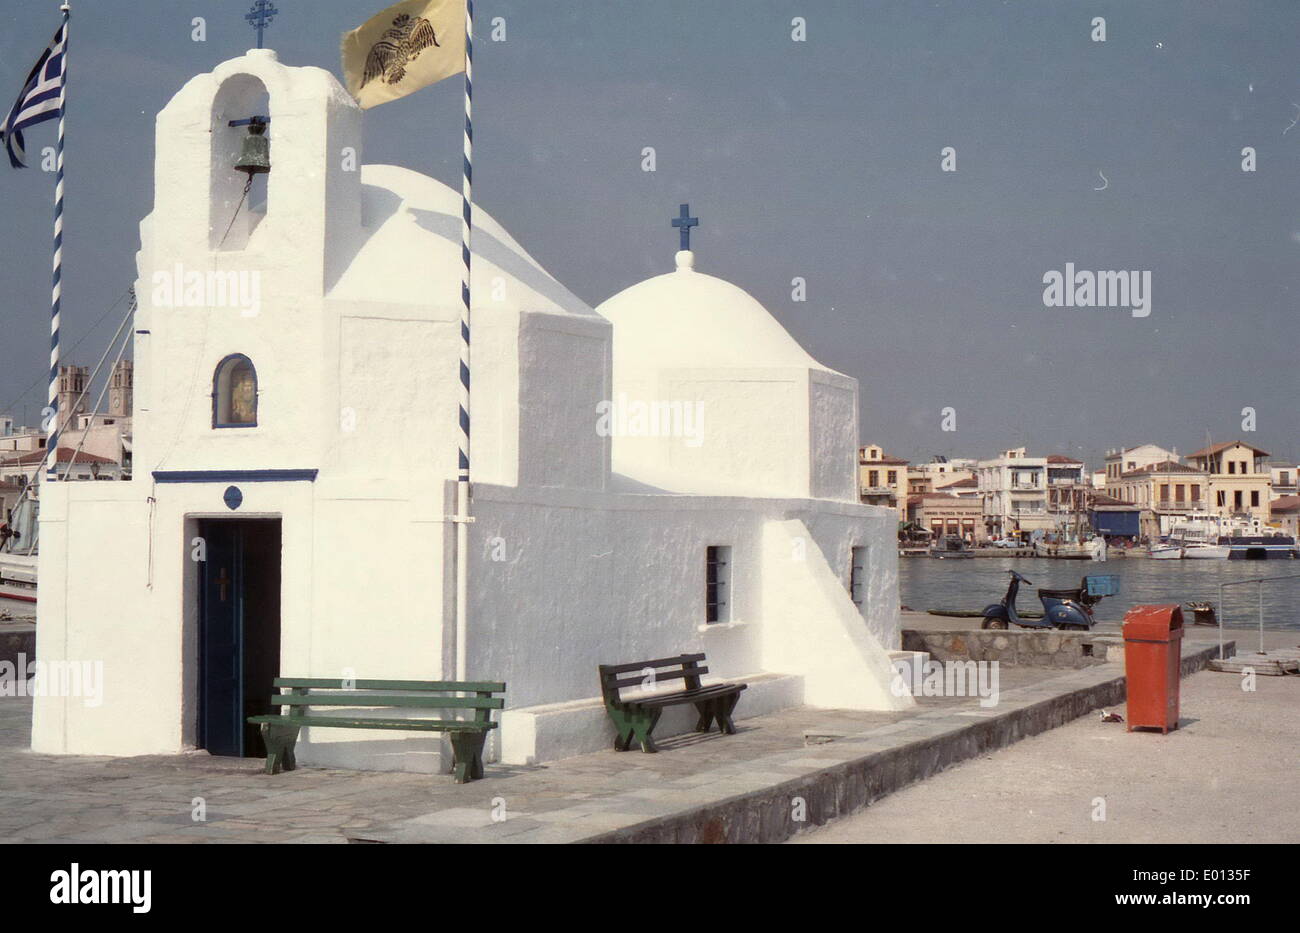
{"x":397,"y":48}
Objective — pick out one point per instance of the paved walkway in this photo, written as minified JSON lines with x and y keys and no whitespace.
{"x":48,"y":798}
{"x":699,"y":788}
{"x":1229,"y":774}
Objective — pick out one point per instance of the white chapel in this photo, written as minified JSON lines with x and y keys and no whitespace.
{"x":296,"y":358}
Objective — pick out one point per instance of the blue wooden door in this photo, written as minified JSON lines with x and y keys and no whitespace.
{"x":221,"y":651}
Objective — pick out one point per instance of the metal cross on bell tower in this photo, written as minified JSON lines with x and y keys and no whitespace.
{"x":260,"y":16}
{"x":685,"y":221}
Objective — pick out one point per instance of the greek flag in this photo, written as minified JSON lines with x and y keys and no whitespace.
{"x":39,"y":100}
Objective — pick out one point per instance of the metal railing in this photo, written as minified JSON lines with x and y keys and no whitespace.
{"x":1261,"y":581}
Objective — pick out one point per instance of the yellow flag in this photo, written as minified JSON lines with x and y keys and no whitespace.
{"x":410,"y":45}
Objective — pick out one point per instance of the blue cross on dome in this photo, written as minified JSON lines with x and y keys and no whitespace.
{"x":685,"y":221}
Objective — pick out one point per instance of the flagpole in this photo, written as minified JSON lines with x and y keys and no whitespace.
{"x":462,"y":475}
{"x":56,"y":293}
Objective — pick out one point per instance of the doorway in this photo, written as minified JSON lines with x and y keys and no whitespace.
{"x":239,"y":632}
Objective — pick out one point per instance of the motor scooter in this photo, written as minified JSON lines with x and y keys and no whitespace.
{"x":1069,"y":610}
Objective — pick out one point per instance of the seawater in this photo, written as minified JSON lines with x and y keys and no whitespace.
{"x":925,"y":583}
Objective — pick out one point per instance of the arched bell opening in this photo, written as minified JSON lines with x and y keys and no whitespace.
{"x":241,"y":161}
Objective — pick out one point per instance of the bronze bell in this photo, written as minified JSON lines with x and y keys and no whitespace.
{"x":255,"y":154}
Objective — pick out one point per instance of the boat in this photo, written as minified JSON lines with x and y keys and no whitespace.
{"x":1199,"y":536}
{"x":951,"y":547}
{"x":1259,"y":547}
{"x":1065,"y":550}
{"x":1204,"y":550}
{"x":1166,"y":551}
{"x":18,"y":556}
{"x":18,"y":577}
{"x":976,"y":613}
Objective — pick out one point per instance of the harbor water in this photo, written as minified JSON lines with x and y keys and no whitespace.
{"x":926,"y":584}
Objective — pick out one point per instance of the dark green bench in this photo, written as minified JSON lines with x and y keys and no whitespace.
{"x":636,"y":716}
{"x":300,"y":694}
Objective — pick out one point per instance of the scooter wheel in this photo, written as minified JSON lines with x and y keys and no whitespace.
{"x":994,"y":623}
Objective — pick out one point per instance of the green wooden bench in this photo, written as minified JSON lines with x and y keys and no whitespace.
{"x":636,"y":716}
{"x":300,"y":694}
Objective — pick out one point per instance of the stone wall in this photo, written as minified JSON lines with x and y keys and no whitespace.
{"x":1048,"y":648}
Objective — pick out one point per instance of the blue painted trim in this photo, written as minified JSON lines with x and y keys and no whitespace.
{"x":216,"y":392}
{"x":235,"y":476}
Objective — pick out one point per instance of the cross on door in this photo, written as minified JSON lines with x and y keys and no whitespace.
{"x":223,"y":581}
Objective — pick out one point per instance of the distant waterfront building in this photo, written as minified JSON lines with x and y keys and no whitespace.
{"x":882,"y":479}
{"x":918,"y":483}
{"x":1165,"y":492}
{"x":923,"y":478}
{"x":1128,"y":459}
{"x":1114,"y":519}
{"x":965,"y":488}
{"x":1286,"y":515}
{"x":1013,"y":490}
{"x":22,"y":439}
{"x":943,"y":514}
{"x":100,"y":436}
{"x":1283,"y":477}
{"x":1239,"y":480}
{"x":1066,"y":488}
{"x":69,"y":464}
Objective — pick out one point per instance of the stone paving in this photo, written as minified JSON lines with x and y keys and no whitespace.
{"x":698,"y":788}
{"x":55,"y":798}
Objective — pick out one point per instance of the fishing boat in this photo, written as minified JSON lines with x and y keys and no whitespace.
{"x":1065,"y":550}
{"x":951,"y":547}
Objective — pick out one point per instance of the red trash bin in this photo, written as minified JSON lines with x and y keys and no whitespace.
{"x":1153,"y":642}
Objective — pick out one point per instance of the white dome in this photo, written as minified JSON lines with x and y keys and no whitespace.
{"x":688,"y":319}
{"x":411,"y":253}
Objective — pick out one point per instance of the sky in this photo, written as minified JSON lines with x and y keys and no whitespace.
{"x":819,"y":159}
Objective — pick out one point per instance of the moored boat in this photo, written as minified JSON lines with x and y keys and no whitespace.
{"x":19,"y":552}
{"x":1259,"y":547}
{"x":950,"y":547}
{"x":1203,"y":550}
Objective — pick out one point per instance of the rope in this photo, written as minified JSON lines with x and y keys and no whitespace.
{"x":89,"y":382}
{"x":99,"y":401}
{"x":247,"y":185}
{"x":31,"y":385}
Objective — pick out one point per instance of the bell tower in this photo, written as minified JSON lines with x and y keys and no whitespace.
{"x":254,"y":121}
{"x":257,"y":211}
{"x":72,"y":395}
{"x":120,"y":385}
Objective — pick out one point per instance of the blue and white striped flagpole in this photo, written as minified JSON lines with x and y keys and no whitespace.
{"x":52,"y":429}
{"x":462,"y":474}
